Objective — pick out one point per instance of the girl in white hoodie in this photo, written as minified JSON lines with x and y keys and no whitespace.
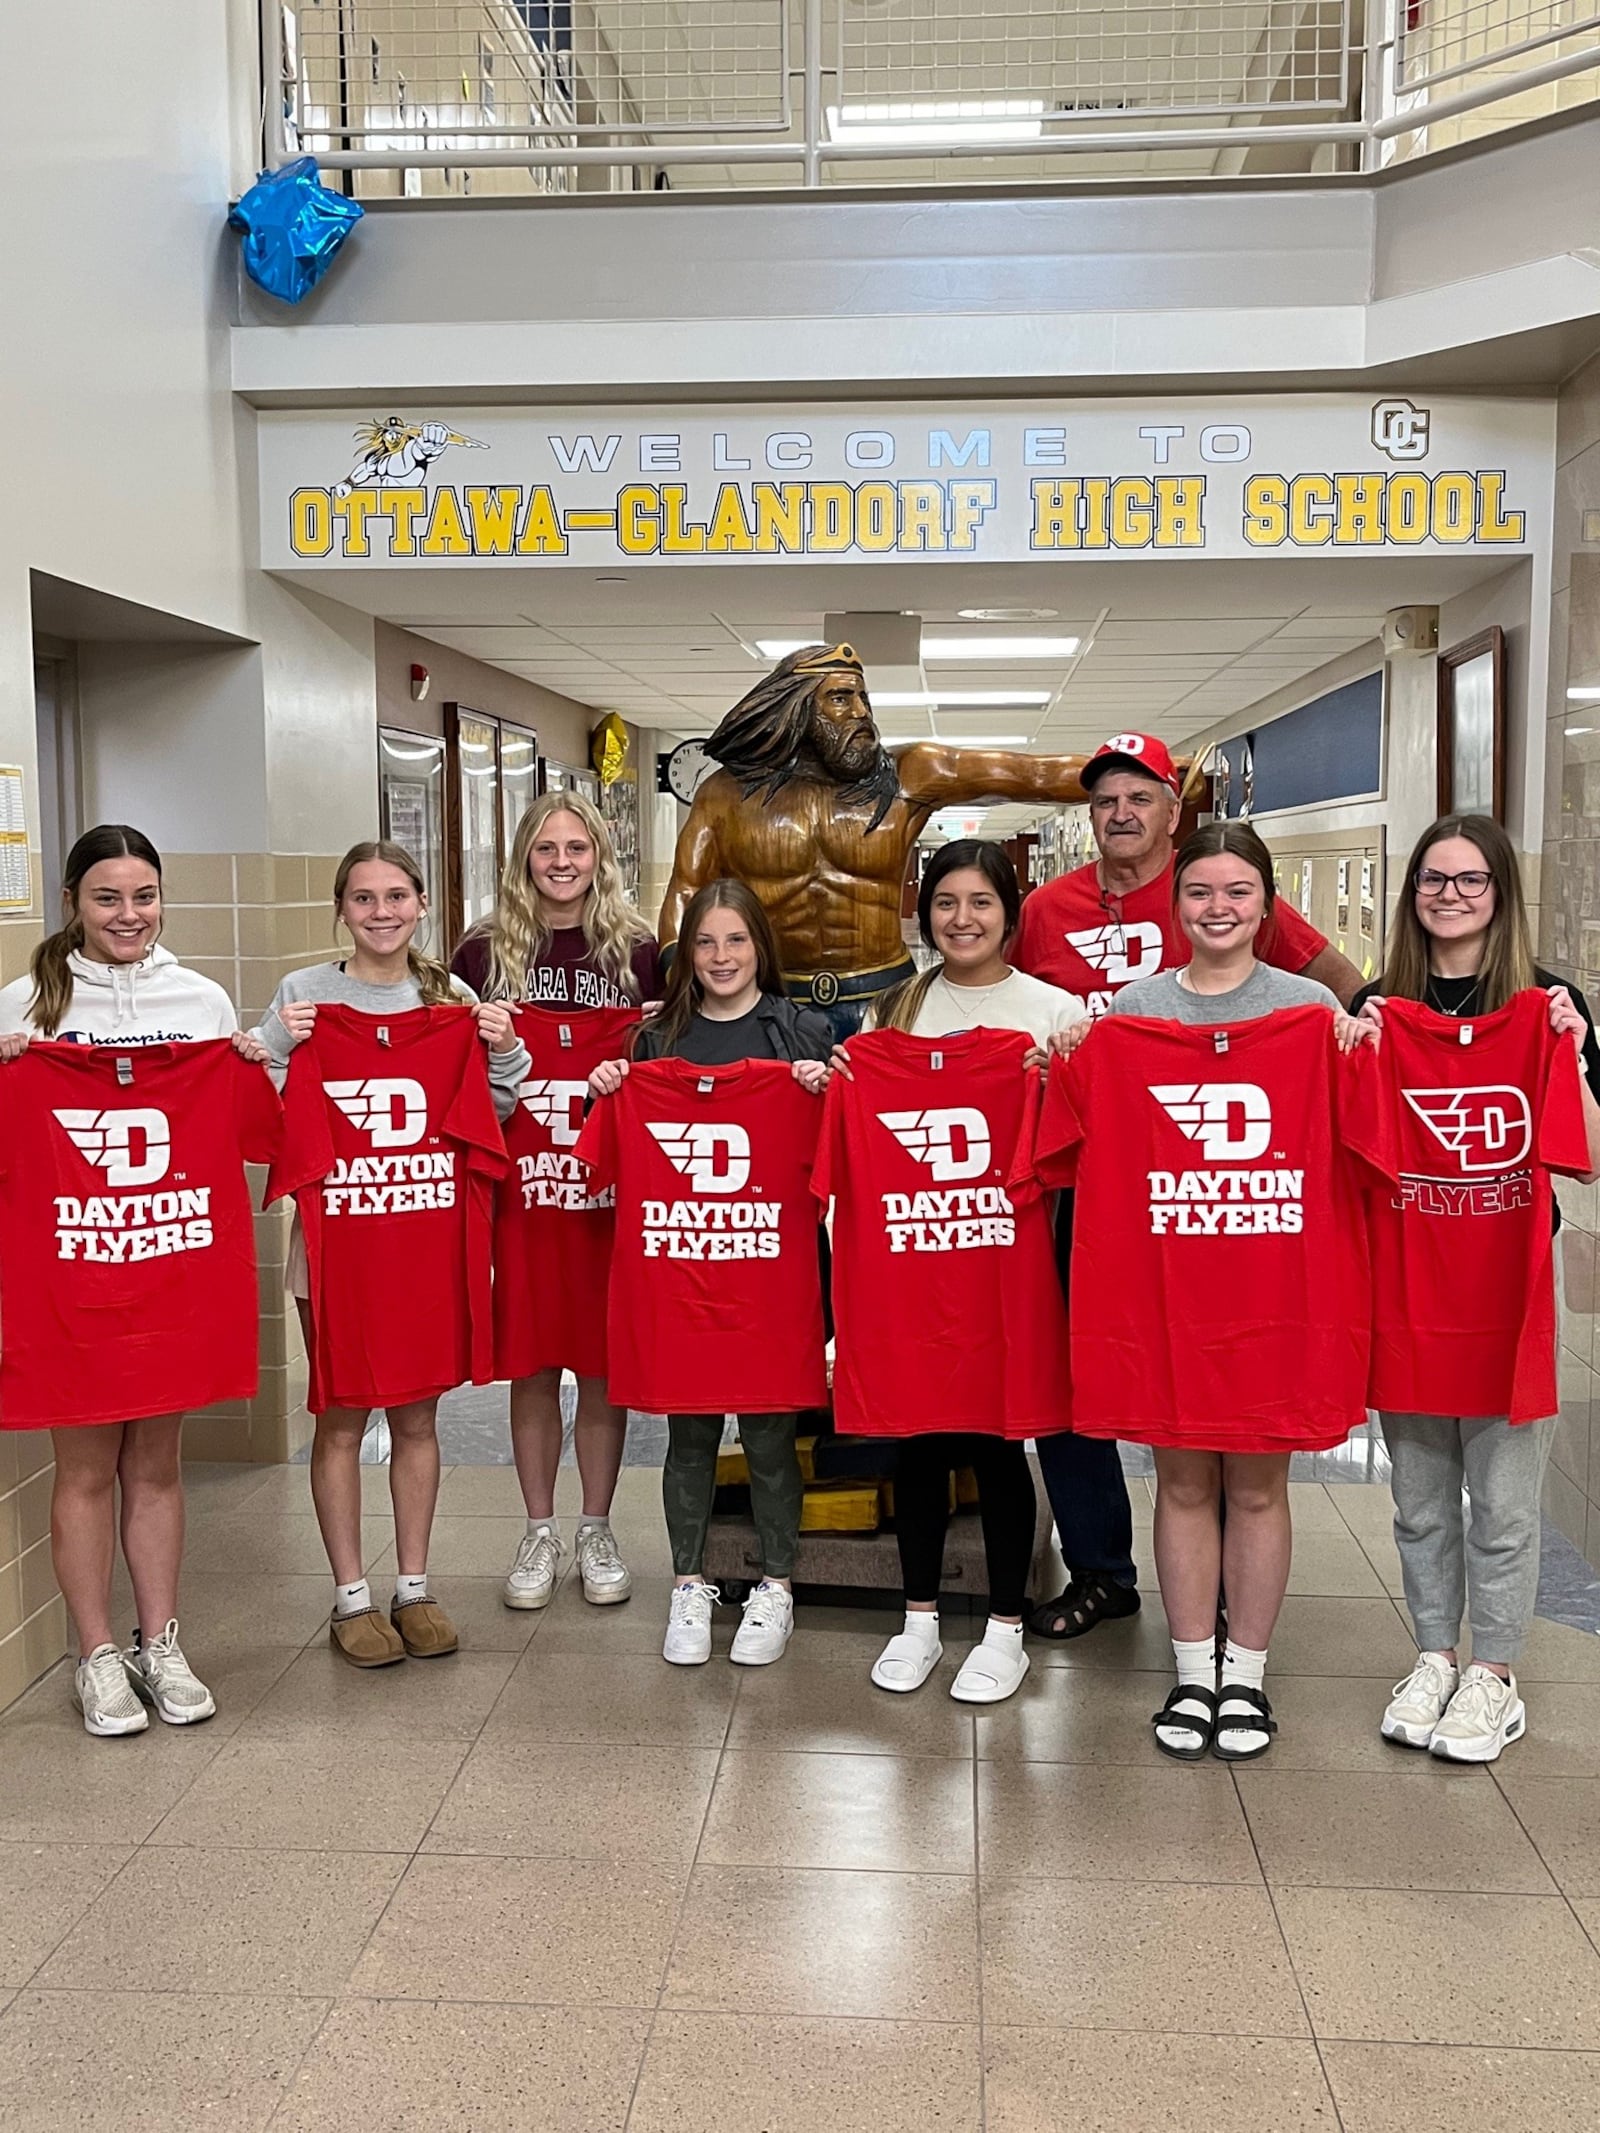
{"x":102,"y":979}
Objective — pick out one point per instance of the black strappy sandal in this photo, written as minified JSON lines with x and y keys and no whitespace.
{"x":1200,"y":1720}
{"x":1087,"y":1602}
{"x":1258,"y":1720}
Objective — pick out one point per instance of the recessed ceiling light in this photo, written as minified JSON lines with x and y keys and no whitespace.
{"x":781,"y":647}
{"x":1579,"y":729}
{"x":1008,"y":614}
{"x":1583,"y":696}
{"x":964,"y":648}
{"x":610,"y":579}
{"x":960,"y":699}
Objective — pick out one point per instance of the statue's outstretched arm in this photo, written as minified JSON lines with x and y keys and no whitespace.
{"x":932,"y":775}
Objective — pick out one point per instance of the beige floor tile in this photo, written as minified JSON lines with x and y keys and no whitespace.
{"x":1036,"y":2081}
{"x":211,"y":1486}
{"x":1562,"y":1816}
{"x":1563,"y":1736}
{"x":561,"y":1932}
{"x":1332,"y":1566}
{"x":222,"y":1613}
{"x":1076,"y":1715}
{"x":235,"y":2059}
{"x":564,"y":1800}
{"x":244,"y":1543}
{"x":1094,"y":1822}
{"x":905,"y":1814}
{"x":419,"y":1699}
{"x":785,"y":1941}
{"x":1418,"y":2088}
{"x":1556,"y":1653}
{"x":1137,"y":1955}
{"x":1384,"y":1557}
{"x":482,"y":1619}
{"x":473,"y":1547}
{"x":1330,"y":1722}
{"x":630,"y":1700}
{"x":381,"y":2066}
{"x":740,"y":2074}
{"x":1347,"y":1829}
{"x":485,"y":1492}
{"x":1139,"y":1643}
{"x":805,"y":1704}
{"x":57,"y":1786}
{"x":1393,"y":1966}
{"x":1334,"y":1636}
{"x":1365,"y":1509}
{"x":44,"y":1890}
{"x":571,"y":1624}
{"x":228,"y":1921}
{"x":304,"y":1795}
{"x":288,"y":1488}
{"x":1314,"y":1510}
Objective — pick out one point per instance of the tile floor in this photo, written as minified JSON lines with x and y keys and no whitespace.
{"x":551,"y":1885}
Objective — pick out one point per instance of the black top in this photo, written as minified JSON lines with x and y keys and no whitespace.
{"x":1458,"y":996}
{"x":775,"y":1028}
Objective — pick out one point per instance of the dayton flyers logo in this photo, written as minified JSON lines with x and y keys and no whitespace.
{"x":953,"y":1144}
{"x":131,"y":1147}
{"x":1484,"y":1129}
{"x":557,"y":1106}
{"x":392,"y":1114}
{"x":1232,"y":1120}
{"x":1120,"y":953}
{"x":712,"y":1158}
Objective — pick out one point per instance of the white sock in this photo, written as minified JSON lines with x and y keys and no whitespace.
{"x":600,"y":1522}
{"x":541,"y":1525}
{"x":352,"y":1599}
{"x":1242,"y":1666}
{"x":411,"y":1588}
{"x":1196,"y":1662}
{"x":1004,"y":1633}
{"x":922,"y":1625}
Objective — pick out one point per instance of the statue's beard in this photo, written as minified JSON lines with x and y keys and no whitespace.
{"x":846,"y":753}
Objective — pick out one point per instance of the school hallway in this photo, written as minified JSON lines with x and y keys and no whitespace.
{"x":551,"y":1883}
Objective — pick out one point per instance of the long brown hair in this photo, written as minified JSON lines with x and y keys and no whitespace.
{"x":517,"y":934}
{"x":52,"y":979}
{"x":1507,"y":965}
{"x":431,"y":979}
{"x":900,"y":1007}
{"x":682,"y":995}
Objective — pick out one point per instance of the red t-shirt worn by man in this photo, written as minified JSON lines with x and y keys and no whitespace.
{"x":1219,"y":1284}
{"x":1469,"y":1116}
{"x":127,"y":1243}
{"x":1090,"y":941}
{"x":716,"y":1297}
{"x":391,"y":1148}
{"x":947,"y":1308}
{"x":552,"y":1232}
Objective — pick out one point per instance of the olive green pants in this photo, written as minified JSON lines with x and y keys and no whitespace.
{"x":689,"y":1482}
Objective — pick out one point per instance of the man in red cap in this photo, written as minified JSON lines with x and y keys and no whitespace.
{"x":1092,"y":932}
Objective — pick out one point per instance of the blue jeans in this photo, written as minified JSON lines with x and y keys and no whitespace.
{"x":1083,"y":1475}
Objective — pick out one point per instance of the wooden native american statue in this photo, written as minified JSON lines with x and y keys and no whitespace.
{"x":813,"y":813}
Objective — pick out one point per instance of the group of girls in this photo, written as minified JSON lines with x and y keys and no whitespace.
{"x":563,"y":934}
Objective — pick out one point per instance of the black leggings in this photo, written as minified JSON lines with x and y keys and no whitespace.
{"x":1006,"y":1505}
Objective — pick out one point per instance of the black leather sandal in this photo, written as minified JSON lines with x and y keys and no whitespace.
{"x":1194,"y":1708}
{"x":1087,"y":1602}
{"x":1254,"y":1716}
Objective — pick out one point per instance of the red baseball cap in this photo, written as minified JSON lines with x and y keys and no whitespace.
{"x":1134,"y":751}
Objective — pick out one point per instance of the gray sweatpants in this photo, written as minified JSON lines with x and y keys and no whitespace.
{"x":1486,"y":1567}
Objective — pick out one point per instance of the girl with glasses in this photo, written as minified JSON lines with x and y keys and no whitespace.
{"x":1460,"y":945}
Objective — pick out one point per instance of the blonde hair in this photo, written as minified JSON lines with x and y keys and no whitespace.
{"x":52,"y":978}
{"x":1507,"y":965}
{"x":518,"y":934}
{"x":431,"y":979}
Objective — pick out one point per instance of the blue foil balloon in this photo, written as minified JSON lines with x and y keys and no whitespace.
{"x":292,"y":225}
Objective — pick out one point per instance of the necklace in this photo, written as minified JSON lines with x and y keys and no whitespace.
{"x":982,"y":992}
{"x":1430,"y":997}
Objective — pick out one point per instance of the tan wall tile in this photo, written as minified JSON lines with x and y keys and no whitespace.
{"x":253,"y":878}
{"x":14,"y":1675}
{"x":9,"y":1475}
{"x":35,"y":1449}
{"x":320,"y":870}
{"x":44,"y":1637}
{"x":33,"y":1506}
{"x":213,"y":1436}
{"x":11,"y":1541}
{"x":10,"y":1597}
{"x":18,"y":939}
{"x":38,"y":1578}
{"x":197,"y":877}
{"x":288,"y":879}
{"x":201,"y":929}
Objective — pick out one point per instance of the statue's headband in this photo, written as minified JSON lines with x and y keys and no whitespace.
{"x":826,"y":662}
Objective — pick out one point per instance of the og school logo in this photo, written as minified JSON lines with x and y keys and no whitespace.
{"x":1232,"y":1120}
{"x":1489,"y":1128}
{"x":131,"y":1147}
{"x":391,"y":1113}
{"x":557,"y":1106}
{"x":954,"y":1143}
{"x":712,"y":1158}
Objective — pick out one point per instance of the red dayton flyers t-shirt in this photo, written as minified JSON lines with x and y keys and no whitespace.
{"x":1079,"y":936}
{"x":716,"y":1299}
{"x":1470,"y":1115}
{"x":391,"y":1147}
{"x":946,"y":1304}
{"x":552,"y":1233}
{"x":127,"y":1243}
{"x":1219,"y":1288}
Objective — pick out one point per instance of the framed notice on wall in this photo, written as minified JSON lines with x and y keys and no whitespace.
{"x":1472,"y":749}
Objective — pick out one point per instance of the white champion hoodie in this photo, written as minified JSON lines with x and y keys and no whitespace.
{"x":155,"y":1001}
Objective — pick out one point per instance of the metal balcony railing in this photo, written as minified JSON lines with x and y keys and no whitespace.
{"x":453,"y":97}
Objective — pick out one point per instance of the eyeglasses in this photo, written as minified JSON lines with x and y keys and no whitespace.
{"x":1428,"y":881}
{"x":1118,"y":940}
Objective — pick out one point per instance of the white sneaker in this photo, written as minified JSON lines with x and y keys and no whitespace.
{"x":992,"y":1670}
{"x":1485,"y":1715}
{"x":606,"y":1577}
{"x":688,"y":1638}
{"x":102,"y":1692}
{"x":159,"y":1674}
{"x":767,"y":1626}
{"x":532,"y":1577}
{"x":906,"y":1661}
{"x":1419,"y":1701}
